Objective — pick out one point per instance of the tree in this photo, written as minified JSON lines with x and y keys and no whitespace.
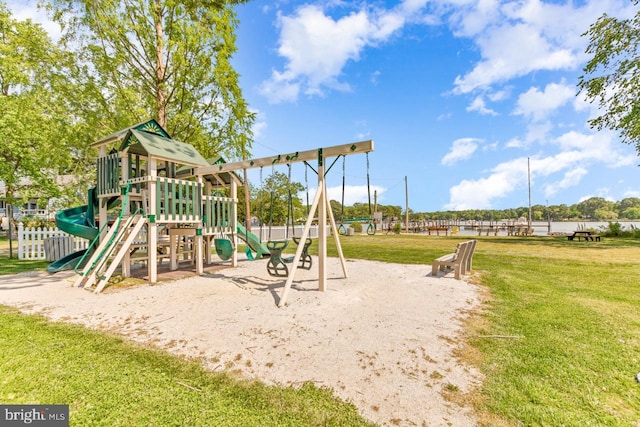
{"x":272,"y":200}
{"x":631,"y":213}
{"x":33,"y":147}
{"x":166,"y":59}
{"x":590,"y":206}
{"x":612,"y":75}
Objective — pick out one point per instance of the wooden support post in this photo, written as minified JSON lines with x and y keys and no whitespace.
{"x":296,"y":259}
{"x":198,"y":240}
{"x":152,"y":227}
{"x":322,"y":225}
{"x":233,"y":221}
{"x":124,"y":176}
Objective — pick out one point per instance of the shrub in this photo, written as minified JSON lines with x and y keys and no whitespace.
{"x":35,"y":222}
{"x":397,"y":228}
{"x":357,"y":227}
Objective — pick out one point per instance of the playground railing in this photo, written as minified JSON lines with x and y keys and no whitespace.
{"x":218,"y":215}
{"x":108,"y":175}
{"x":178,"y":201}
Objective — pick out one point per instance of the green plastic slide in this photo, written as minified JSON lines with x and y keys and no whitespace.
{"x":73,"y":221}
{"x":78,"y":221}
{"x":252,"y":241}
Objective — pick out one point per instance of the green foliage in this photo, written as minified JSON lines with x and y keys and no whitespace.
{"x":33,"y":149}
{"x":594,"y":208}
{"x":167,"y":60}
{"x":612,"y":76}
{"x":37,"y":222}
{"x":271,"y":202}
{"x":357,"y":227}
{"x":615,"y":229}
{"x":397,"y":228}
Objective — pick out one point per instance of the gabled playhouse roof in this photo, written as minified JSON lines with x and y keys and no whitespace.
{"x":150,"y":126}
{"x":161,"y":148}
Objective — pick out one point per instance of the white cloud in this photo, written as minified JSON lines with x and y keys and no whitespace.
{"x":516,"y":38}
{"x":480,"y":193}
{"x":476,"y":17}
{"x":479,"y":105}
{"x":513,"y":50}
{"x":577,"y":154}
{"x":316,"y":47}
{"x":461,"y":149}
{"x":570,"y":179}
{"x":538,"y":105}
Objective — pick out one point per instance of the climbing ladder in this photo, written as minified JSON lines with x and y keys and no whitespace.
{"x":112,"y":249}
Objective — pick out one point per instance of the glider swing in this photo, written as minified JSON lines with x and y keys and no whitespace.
{"x":277,"y":265}
{"x":371,"y":228}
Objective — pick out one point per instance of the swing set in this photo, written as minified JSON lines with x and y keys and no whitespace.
{"x":320,"y":208}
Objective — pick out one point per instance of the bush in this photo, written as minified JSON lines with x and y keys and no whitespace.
{"x":615,"y":229}
{"x":35,"y":222}
{"x":397,"y":228}
{"x":357,"y":227}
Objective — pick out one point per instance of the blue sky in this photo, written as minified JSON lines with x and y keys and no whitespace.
{"x":456,"y":94}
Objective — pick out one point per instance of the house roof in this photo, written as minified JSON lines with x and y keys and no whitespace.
{"x":161,"y":148}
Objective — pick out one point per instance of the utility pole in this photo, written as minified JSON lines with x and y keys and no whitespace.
{"x":406,"y":209}
{"x":529,"y":178}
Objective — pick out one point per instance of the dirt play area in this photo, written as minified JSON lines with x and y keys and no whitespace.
{"x":384,"y":338}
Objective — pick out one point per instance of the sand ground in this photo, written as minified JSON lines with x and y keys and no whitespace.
{"x":383,"y":338}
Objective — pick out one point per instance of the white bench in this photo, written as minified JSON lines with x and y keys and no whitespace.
{"x":461,"y":261}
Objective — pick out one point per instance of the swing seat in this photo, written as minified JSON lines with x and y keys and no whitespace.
{"x":276,"y":265}
{"x":371,"y":229}
{"x":224,"y":248}
{"x":305,"y":258}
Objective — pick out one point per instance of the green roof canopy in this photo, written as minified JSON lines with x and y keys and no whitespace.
{"x":161,"y":148}
{"x":150,"y":126}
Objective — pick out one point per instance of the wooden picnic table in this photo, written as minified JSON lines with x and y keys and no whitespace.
{"x":583,"y":234}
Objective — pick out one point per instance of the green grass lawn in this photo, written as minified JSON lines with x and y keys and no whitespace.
{"x":558,"y":340}
{"x":13,"y":265}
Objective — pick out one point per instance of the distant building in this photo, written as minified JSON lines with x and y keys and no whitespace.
{"x":31,"y":207}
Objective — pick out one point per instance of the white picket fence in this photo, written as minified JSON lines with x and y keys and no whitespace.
{"x":31,"y":241}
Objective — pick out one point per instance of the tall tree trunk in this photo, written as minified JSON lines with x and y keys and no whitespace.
{"x":161,"y":98}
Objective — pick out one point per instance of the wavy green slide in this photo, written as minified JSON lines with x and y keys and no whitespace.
{"x":252,"y":241}
{"x":78,"y":221}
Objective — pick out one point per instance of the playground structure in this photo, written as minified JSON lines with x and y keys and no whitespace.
{"x":158,"y":198}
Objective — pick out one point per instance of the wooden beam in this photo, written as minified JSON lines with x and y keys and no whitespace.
{"x":283,"y":159}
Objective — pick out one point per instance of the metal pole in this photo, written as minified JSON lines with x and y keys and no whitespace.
{"x":406,"y":213}
{"x":529,"y":179}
